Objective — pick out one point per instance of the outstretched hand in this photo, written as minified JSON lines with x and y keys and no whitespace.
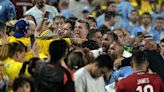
{"x":35,"y":49}
{"x":118,"y":62}
{"x":4,"y":40}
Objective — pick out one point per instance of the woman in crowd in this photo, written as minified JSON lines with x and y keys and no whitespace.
{"x":12,"y":56}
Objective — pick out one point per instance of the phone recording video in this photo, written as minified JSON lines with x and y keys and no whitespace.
{"x":46,"y":14}
{"x":32,"y":39}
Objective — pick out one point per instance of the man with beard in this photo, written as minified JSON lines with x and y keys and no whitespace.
{"x":89,"y":78}
{"x":41,"y":10}
{"x":107,"y":39}
{"x":116,"y":51}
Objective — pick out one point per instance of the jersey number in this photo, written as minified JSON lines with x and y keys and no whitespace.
{"x":145,"y":88}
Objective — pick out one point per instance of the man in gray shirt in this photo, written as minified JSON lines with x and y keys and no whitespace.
{"x":90,"y":79}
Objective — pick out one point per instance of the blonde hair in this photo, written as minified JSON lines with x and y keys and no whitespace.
{"x":4,"y":52}
{"x":10,"y":49}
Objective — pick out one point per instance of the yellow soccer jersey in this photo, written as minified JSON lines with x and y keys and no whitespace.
{"x":13,"y":68}
{"x":43,"y":44}
{"x":145,"y":6}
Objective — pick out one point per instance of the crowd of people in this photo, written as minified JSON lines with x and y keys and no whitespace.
{"x":81,"y":46}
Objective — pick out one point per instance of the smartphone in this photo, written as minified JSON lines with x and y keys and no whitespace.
{"x":46,"y":14}
{"x":32,"y":40}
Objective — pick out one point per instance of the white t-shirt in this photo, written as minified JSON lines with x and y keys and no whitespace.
{"x":84,"y":82}
{"x":37,"y":14}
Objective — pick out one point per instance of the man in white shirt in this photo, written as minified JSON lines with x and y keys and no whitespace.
{"x":41,"y":10}
{"x":90,"y":79}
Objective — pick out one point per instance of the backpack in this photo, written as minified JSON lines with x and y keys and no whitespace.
{"x":55,"y":80}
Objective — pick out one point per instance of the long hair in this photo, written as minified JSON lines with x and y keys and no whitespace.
{"x":9,"y":50}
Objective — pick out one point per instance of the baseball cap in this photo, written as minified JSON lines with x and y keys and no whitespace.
{"x":21,"y":28}
{"x":86,"y":10}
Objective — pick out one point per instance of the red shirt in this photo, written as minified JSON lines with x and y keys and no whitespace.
{"x":141,"y":82}
{"x":22,"y":6}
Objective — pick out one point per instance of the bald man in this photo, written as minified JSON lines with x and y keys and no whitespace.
{"x":116,"y":51}
{"x":149,"y":44}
